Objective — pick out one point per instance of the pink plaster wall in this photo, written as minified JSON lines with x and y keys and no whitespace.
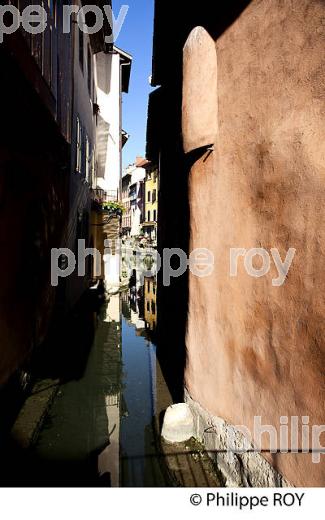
{"x":254,"y":349}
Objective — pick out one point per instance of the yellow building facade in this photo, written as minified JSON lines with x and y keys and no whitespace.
{"x":151,"y":203}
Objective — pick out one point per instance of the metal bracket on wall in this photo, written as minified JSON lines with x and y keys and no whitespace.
{"x":209,"y":151}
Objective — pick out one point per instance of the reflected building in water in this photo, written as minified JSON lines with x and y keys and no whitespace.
{"x":133,"y":306}
{"x":109,"y":458}
{"x":150,"y":303}
{"x":139,"y":304}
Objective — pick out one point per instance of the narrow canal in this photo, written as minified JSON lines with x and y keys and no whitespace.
{"x":103,"y":426}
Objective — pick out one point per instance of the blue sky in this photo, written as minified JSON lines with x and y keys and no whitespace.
{"x":136,"y":38}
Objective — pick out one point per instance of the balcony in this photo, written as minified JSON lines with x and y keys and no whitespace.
{"x":104,"y":196}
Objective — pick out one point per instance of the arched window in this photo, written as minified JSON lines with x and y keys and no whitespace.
{"x":200,"y":96}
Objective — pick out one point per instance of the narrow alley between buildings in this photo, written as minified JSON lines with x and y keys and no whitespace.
{"x":161,"y":231}
{"x":101,"y":427}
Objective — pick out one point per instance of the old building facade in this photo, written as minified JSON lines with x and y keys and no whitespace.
{"x":151,"y":202}
{"x":36,"y":137}
{"x":246,"y":147}
{"x":133,"y":192}
{"x":50,"y":155}
{"x":126,"y":218}
{"x":113,"y":71}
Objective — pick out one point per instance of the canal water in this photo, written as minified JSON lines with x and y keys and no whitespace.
{"x":103,"y":427}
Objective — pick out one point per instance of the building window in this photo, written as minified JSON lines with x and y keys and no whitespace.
{"x":79,"y":147}
{"x":149,"y":196}
{"x":155,"y":215}
{"x":89,"y":70}
{"x":153,"y":307}
{"x":149,"y":215}
{"x":93,"y":169}
{"x":81,"y":50}
{"x":88,"y":160}
{"x":148,"y":306}
{"x":154,"y":196}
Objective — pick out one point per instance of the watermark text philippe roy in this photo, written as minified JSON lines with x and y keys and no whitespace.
{"x":174,"y":262}
{"x":292,"y":435}
{"x":34,"y":19}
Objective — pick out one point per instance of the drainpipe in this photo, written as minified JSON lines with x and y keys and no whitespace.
{"x":120,"y":133}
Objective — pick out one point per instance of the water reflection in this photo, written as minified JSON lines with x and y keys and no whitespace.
{"x":135,"y":427}
{"x":109,"y":458}
{"x":140,"y":305}
{"x":150,"y":303}
{"x":141,"y":464}
{"x":103,"y":426}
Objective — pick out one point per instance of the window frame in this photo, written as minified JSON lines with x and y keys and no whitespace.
{"x":81,"y":44}
{"x":79,"y":145}
{"x":87,"y":159}
{"x":89,"y":71}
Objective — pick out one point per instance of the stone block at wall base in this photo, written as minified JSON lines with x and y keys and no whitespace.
{"x":246,"y":469}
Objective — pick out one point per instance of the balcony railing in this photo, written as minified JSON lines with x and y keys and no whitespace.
{"x":105,"y":196}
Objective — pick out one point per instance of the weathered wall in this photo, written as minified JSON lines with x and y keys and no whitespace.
{"x":109,"y":101}
{"x":34,"y":161}
{"x":35,"y":133}
{"x":254,"y":349}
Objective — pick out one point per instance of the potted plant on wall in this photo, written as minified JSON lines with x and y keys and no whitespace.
{"x":114,"y":209}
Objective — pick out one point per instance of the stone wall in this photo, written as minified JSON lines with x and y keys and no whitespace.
{"x":242,"y":468}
